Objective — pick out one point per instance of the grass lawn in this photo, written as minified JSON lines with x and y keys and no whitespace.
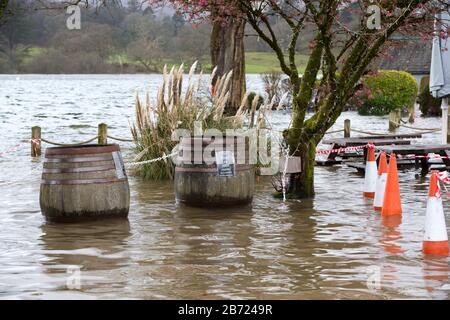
{"x":263,"y":62}
{"x":256,"y":62}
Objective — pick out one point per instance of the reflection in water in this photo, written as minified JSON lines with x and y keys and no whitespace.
{"x":391,"y":235}
{"x":436,"y":276}
{"x":320,"y":248}
{"x":93,"y":246}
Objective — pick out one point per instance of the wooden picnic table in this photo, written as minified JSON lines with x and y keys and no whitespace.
{"x":419,"y":150}
{"x":392,"y":136}
{"x":351,"y":142}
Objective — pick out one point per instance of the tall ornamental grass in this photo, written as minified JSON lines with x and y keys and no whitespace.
{"x":179,"y":106}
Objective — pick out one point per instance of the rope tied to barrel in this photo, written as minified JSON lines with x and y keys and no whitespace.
{"x":141,"y":163}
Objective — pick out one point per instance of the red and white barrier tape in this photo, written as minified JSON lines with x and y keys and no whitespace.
{"x":444,"y":178}
{"x":10,"y":150}
{"x":17,"y":147}
{"x":348,"y":149}
{"x":413,"y":156}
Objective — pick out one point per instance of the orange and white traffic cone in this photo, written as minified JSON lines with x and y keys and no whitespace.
{"x":435,"y":240}
{"x":392,"y":204}
{"x":370,"y":179}
{"x":381,"y":183}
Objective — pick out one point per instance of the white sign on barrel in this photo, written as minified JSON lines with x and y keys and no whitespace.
{"x":225,"y":163}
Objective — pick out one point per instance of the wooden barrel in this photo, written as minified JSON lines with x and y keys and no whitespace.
{"x":84,"y":182}
{"x":198,"y":182}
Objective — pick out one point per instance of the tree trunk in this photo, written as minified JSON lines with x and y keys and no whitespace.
{"x":227,"y":53}
{"x":301,"y":185}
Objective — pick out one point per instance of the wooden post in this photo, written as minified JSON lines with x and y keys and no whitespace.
{"x":347,"y":128}
{"x":448,"y":126}
{"x":394,"y":118}
{"x":412,"y":113}
{"x":445,"y":121}
{"x":102,"y":134}
{"x":35,"y":141}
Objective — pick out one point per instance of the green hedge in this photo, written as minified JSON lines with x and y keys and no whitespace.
{"x":378,"y":106}
{"x":387,"y":91}
{"x":429,"y":106}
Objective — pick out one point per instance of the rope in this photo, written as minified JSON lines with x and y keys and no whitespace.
{"x":368,"y":132}
{"x":66,"y":144}
{"x":141,"y":163}
{"x":415,"y":128}
{"x":120,"y":139}
{"x":336,"y":131}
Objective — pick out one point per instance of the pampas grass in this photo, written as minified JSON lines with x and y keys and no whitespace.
{"x":179,"y":107}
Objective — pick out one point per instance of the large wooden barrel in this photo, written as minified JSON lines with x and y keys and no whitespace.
{"x":84,"y":182}
{"x":198,"y":181}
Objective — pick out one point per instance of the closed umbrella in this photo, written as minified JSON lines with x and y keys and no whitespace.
{"x":440,"y":68}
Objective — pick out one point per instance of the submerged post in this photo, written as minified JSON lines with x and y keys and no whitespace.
{"x":394,"y":120}
{"x":347,"y":128}
{"x":35,"y":141}
{"x":102,"y":134}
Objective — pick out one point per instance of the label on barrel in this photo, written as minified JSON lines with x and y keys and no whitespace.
{"x":225,"y":163}
{"x":120,"y":168}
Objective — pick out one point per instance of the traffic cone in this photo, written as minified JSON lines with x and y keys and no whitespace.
{"x":391,"y":203}
{"x":381,"y":183}
{"x":370,"y":179}
{"x":435,"y":240}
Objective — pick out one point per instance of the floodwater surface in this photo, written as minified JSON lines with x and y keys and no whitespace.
{"x":331,"y":247}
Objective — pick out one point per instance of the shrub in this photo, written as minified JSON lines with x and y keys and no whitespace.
{"x":397,"y":89}
{"x":377,"y":106}
{"x":429,"y":106}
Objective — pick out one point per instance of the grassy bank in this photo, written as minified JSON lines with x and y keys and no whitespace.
{"x":264,"y":62}
{"x":256,"y":63}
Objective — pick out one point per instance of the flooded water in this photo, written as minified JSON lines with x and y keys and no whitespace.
{"x":330,"y":247}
